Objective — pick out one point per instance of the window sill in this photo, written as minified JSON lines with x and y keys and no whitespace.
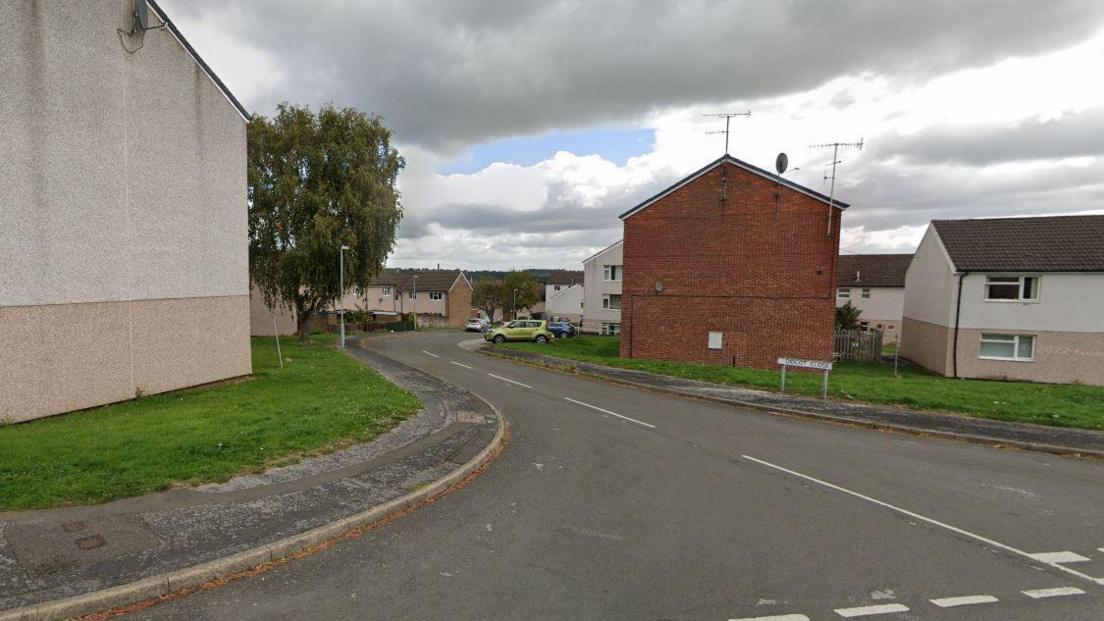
{"x":1006,"y":359}
{"x":998,"y":301}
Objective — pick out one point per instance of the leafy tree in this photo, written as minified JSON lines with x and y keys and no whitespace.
{"x":519,"y":291}
{"x":487,"y":296}
{"x":847,"y":317}
{"x":316,"y":183}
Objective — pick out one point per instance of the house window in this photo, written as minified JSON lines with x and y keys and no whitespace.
{"x":555,"y":287}
{"x":413,"y":295}
{"x":866,"y":294}
{"x":611,"y":273}
{"x":436,"y":295}
{"x":387,"y":291}
{"x":1012,"y":288}
{"x":843,"y":293}
{"x":864,"y":326}
{"x":1007,"y":347}
{"x":611,"y":301}
{"x":610,"y":329}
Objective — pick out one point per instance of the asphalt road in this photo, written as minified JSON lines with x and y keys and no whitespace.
{"x":616,"y":503}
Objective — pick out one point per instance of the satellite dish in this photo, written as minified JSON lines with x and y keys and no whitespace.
{"x":141,"y":14}
{"x":781,"y":163}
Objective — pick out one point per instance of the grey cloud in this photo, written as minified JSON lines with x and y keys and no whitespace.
{"x":1071,"y":135}
{"x":445,"y":75}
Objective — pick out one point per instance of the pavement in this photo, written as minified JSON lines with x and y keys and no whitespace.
{"x":1060,"y":440}
{"x":73,"y":560}
{"x":612,"y":502}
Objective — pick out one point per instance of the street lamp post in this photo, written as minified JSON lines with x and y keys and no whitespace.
{"x":415,"y":302}
{"x":341,"y":269}
{"x":515,"y":304}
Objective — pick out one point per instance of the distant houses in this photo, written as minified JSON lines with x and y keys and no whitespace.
{"x":875,"y":284}
{"x":731,"y":265}
{"x":602,"y":274}
{"x":1009,"y":298}
{"x":439,"y":297}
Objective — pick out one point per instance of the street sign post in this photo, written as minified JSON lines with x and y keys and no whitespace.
{"x":807,"y":364}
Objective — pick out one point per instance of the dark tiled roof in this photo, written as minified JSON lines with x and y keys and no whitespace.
{"x":565,"y":277}
{"x":428,"y":280}
{"x":1046,"y":244}
{"x":873,"y":270}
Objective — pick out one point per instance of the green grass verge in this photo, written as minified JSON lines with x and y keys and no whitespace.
{"x":321,"y":401}
{"x":1060,"y":405}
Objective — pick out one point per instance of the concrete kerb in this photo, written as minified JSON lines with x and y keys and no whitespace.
{"x":166,"y":584}
{"x":567,"y":366}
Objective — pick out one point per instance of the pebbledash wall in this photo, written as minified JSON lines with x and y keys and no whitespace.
{"x":759,"y":267}
{"x":122,"y":213}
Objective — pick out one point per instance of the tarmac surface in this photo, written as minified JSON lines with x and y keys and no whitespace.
{"x":612,"y":502}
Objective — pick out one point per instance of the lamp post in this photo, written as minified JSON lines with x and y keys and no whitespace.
{"x":415,"y":302}
{"x":515,"y":304}
{"x":341,"y":269}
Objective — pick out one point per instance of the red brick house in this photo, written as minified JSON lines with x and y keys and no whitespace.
{"x":731,"y":265}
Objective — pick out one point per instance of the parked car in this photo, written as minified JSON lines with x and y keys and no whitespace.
{"x":562,"y":329}
{"x":521,"y":330}
{"x":477,"y":325}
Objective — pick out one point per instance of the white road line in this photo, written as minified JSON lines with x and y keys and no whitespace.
{"x":775,"y":618}
{"x":460,"y":365}
{"x":509,"y":380}
{"x":866,"y":611}
{"x":429,"y":354}
{"x":1060,"y":557}
{"x":594,"y":407}
{"x":934,"y":522}
{"x":964,"y":600}
{"x":1057,"y":592}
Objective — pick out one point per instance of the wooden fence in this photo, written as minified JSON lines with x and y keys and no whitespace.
{"x":858,"y":345}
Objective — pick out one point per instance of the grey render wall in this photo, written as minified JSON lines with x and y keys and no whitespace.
{"x":122,"y":213}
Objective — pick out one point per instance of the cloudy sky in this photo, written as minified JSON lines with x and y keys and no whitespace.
{"x":528,"y":126}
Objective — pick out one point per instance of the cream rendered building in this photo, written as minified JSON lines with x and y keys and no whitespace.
{"x":875,"y":284}
{"x":123,"y":233}
{"x":1009,"y":298}
{"x":602,"y":291}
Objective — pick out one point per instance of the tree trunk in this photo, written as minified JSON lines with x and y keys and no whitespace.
{"x":304,"y":327}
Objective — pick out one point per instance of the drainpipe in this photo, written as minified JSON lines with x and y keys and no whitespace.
{"x":958,"y":313}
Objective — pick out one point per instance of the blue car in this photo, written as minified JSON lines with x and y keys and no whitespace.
{"x":562,"y":329}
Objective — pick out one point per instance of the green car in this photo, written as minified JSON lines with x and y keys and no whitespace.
{"x":520,"y":330}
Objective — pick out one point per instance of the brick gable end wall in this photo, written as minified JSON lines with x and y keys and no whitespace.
{"x":757,"y":266}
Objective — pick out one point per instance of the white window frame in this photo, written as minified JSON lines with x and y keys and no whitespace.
{"x":413,"y":295}
{"x":843,"y":293}
{"x":1016,"y":340}
{"x":386,"y":290}
{"x":611,"y":273}
{"x":865,"y":293}
{"x":436,"y":295}
{"x":1021,"y":281}
{"x":715,"y":340}
{"x":610,"y":328}
{"x":607,"y":301}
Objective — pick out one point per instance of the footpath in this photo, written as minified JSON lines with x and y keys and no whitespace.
{"x":71,"y":561}
{"x":1059,"y":440}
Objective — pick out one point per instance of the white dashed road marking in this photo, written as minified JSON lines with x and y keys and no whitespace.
{"x":964,"y":600}
{"x":459,"y":365}
{"x":866,"y":611}
{"x":509,"y":380}
{"x":1059,"y":557}
{"x":430,"y":354}
{"x":775,"y":618}
{"x":1058,"y":592}
{"x":934,"y":522}
{"x":594,"y":407}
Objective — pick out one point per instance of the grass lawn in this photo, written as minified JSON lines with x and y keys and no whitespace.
{"x":1061,"y":405}
{"x":321,"y":401}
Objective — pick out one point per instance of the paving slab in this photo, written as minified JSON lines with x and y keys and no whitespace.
{"x":54,"y":554}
